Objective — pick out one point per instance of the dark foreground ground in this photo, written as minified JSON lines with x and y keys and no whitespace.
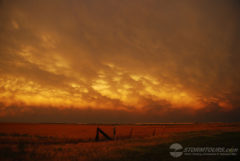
{"x":152,"y":148}
{"x":161,"y":151}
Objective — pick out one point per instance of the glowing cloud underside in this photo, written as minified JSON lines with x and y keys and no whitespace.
{"x":120,"y":55}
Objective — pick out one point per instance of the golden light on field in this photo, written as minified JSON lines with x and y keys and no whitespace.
{"x":145,"y":58}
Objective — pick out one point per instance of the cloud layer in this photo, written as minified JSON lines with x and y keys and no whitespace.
{"x":131,"y":56}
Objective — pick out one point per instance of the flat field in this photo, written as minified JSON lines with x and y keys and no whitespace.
{"x":73,"y":142}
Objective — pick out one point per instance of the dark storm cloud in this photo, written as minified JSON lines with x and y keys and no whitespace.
{"x":189,"y":46}
{"x":89,"y":115}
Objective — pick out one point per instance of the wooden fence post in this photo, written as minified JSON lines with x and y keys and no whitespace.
{"x":103,"y":133}
{"x":163,"y":130}
{"x":114,"y":133}
{"x":97,"y":135}
{"x":154,"y":132}
{"x":131,"y":133}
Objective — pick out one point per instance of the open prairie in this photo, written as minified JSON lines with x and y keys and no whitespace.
{"x":132,"y":142}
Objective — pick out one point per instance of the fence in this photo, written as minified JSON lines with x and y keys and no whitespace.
{"x":131,"y":134}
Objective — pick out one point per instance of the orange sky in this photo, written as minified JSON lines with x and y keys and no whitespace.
{"x":127,"y":56}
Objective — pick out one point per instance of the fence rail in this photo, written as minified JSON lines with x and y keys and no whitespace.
{"x":131,"y":133}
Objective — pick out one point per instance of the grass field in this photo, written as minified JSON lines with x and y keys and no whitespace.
{"x":72,"y":142}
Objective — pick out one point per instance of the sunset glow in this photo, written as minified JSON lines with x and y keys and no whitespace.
{"x":137,"y":60}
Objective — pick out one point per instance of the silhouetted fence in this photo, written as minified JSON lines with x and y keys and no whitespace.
{"x":131,"y":132}
{"x":99,"y":131}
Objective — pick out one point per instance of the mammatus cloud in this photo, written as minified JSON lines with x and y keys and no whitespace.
{"x":146,"y":59}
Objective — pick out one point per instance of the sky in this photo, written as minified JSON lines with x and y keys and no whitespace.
{"x":124,"y":61}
